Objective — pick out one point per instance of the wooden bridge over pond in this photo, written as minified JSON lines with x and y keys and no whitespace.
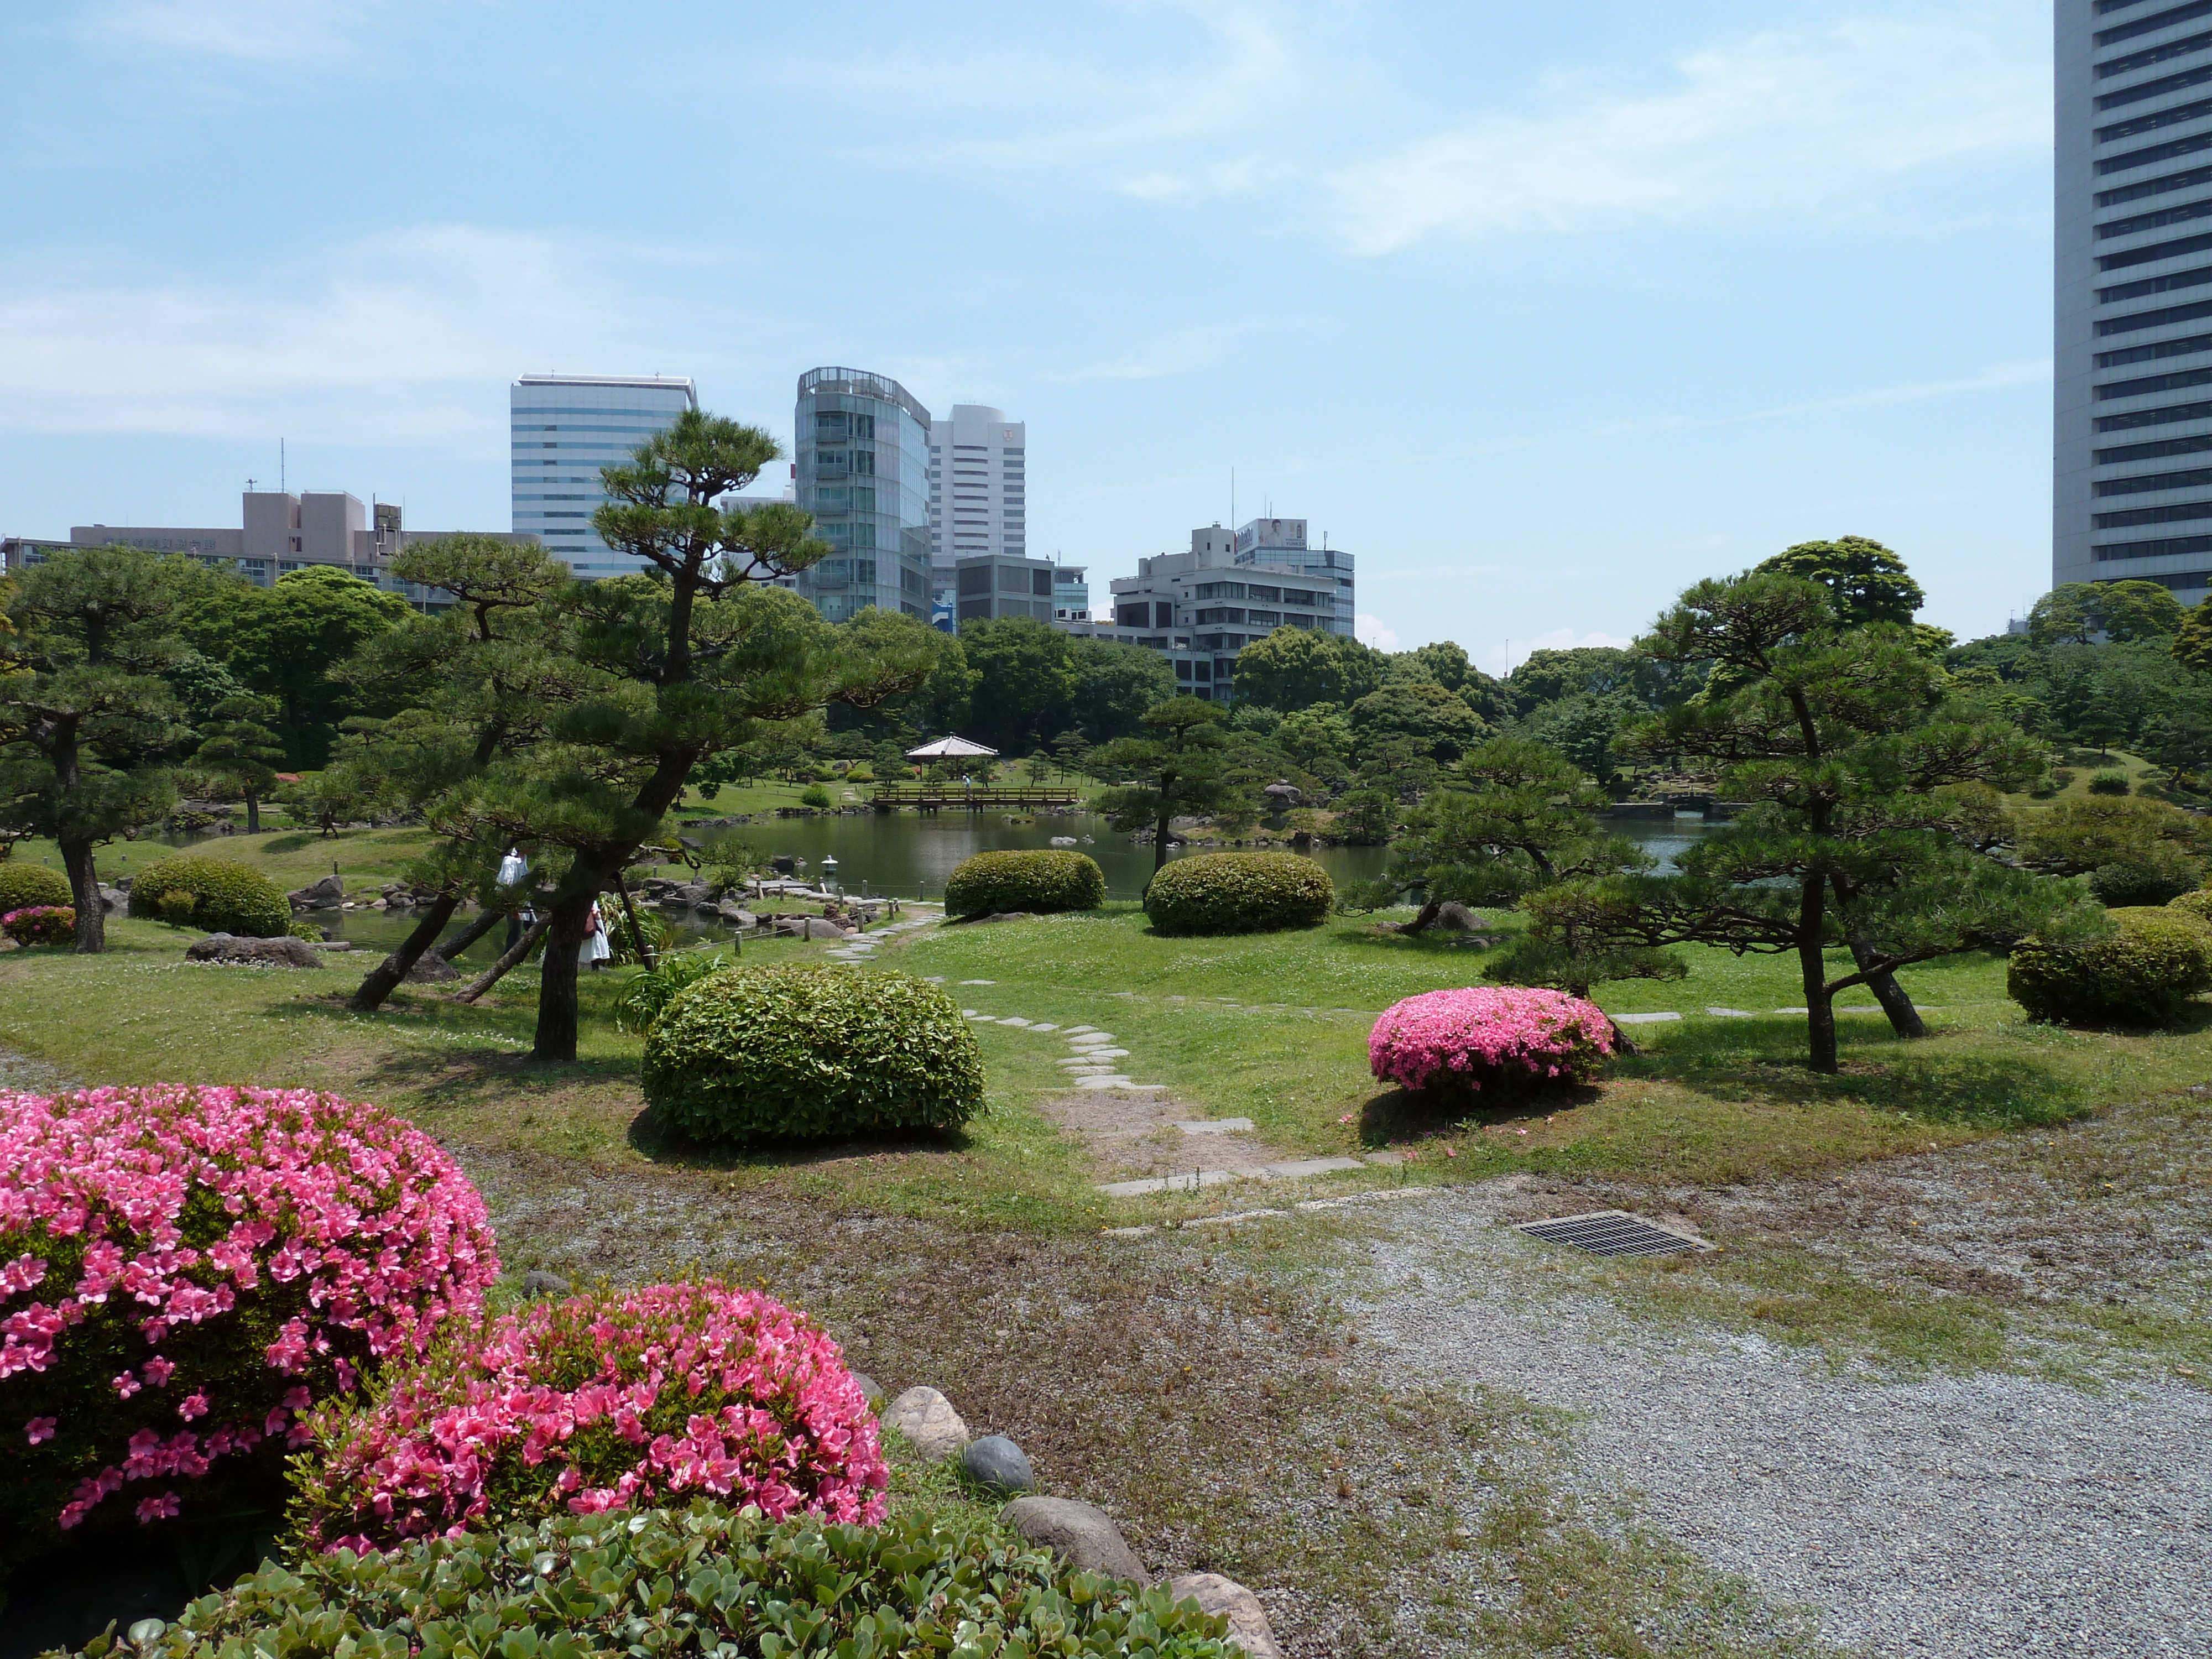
{"x":967,"y":797}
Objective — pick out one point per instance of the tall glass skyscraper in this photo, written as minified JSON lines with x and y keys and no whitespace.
{"x":2132,"y":483}
{"x":566,"y":427}
{"x":861,"y":444}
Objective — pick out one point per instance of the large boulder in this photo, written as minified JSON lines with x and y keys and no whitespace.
{"x":736,"y":916}
{"x":997,"y":1462}
{"x":812,"y":927}
{"x":926,"y":1417}
{"x":1082,"y":1532}
{"x":328,"y":893}
{"x":1227,"y":1598}
{"x":269,"y":953}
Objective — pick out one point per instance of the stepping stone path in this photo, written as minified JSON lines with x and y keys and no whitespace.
{"x":862,"y":946}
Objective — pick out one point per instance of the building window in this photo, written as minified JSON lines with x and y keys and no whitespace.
{"x":2165,"y":416}
{"x":2196,"y":478}
{"x":2136,"y":515}
{"x":2186,"y":347}
{"x":975,"y":579}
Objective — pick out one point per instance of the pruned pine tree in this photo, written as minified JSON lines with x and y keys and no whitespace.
{"x":675,"y":664}
{"x":238,"y":754}
{"x":1842,"y":739}
{"x":1178,"y":767}
{"x":496,"y":666}
{"x":87,"y":724}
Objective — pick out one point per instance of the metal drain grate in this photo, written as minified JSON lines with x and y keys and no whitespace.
{"x":1613,"y":1232}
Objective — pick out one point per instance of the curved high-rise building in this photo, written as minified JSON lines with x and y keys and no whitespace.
{"x":861,"y":465}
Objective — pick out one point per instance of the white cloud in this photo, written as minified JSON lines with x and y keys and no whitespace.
{"x":1370,"y":630}
{"x":291,"y":32}
{"x":406,"y":336}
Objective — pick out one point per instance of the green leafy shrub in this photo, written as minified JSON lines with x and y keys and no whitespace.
{"x":22,"y":885}
{"x":622,"y":938}
{"x":2109,"y":783}
{"x":2198,"y":904}
{"x":701,"y":1580}
{"x":306,"y":930}
{"x":1239,"y":893}
{"x":2154,"y":874}
{"x":2144,"y":974}
{"x":226,"y":897}
{"x":816,"y":796}
{"x":1041,"y":879}
{"x":759,"y":1054}
{"x":640,"y":1001}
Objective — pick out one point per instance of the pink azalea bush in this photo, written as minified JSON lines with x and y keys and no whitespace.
{"x":184,"y":1271}
{"x":1463,"y":1042}
{"x":41,"y":924}
{"x":600,"y":1401}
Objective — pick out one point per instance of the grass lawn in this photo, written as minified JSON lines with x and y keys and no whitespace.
{"x":1196,"y":1381}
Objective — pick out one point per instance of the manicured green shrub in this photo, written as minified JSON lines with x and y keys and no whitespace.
{"x":760,"y":1053}
{"x":1239,"y":893}
{"x":2198,"y":904}
{"x":700,"y":1580}
{"x":22,"y":885}
{"x":2155,"y":873}
{"x":2145,"y":973}
{"x":2109,"y":783}
{"x":307,"y":930}
{"x":226,"y":897}
{"x":816,"y":796}
{"x":1041,"y":879}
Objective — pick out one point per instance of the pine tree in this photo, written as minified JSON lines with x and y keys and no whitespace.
{"x":238,"y":753}
{"x":1180,"y":767}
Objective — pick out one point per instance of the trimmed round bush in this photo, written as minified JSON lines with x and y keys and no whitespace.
{"x":2109,"y":783}
{"x":226,"y":897}
{"x":701,"y":1580}
{"x":2198,"y":904}
{"x":1462,"y":1043}
{"x":615,"y":1400}
{"x":41,"y":924}
{"x":764,"y":1054}
{"x":184,"y":1271}
{"x":2145,"y":973}
{"x":1239,"y":893}
{"x":22,"y":885}
{"x":1043,"y":879}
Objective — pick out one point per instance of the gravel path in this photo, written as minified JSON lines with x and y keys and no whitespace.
{"x":1985,"y":1515}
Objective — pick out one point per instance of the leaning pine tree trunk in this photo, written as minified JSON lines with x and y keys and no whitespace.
{"x":84,"y":894}
{"x":557,"y":990}
{"x":498,"y":971}
{"x":1903,"y":1018}
{"x":469,"y":935}
{"x":387,"y":975}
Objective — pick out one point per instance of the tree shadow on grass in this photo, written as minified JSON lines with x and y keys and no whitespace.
{"x":658,"y":1141}
{"x":292,"y":840}
{"x":1396,"y":1115}
{"x":1764,"y":1060}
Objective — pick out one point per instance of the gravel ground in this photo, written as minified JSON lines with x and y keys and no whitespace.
{"x":1990,"y":1515}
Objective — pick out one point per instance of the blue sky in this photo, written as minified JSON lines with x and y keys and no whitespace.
{"x":1544,"y":311}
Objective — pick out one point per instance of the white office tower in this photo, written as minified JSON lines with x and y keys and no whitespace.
{"x":2132,"y":485}
{"x":978,"y":489}
{"x":566,"y":427}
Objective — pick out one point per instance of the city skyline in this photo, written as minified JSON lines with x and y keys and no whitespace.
{"x":1548,"y":313}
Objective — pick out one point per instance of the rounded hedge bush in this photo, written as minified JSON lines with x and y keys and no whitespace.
{"x":2198,"y":904}
{"x":184,"y":1271}
{"x":22,"y":885}
{"x":1043,"y":879}
{"x":1462,"y":1043}
{"x":1239,"y":893}
{"x":615,"y":1399}
{"x":2145,"y":973}
{"x":41,"y":924}
{"x":762,"y":1054}
{"x":703,"y":1580}
{"x":226,"y":897}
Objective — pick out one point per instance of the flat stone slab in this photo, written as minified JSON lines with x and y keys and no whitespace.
{"x":1044,"y":1028}
{"x":1115,"y":1080}
{"x":1175,"y":1183}
{"x":1104,"y":1054}
{"x":1012,"y":1019}
{"x":1217,"y":1126}
{"x":1731,"y":1013}
{"x":1647,"y":1019}
{"x":1092,"y":1036}
{"x":1080,"y":1030}
{"x":979,"y":981}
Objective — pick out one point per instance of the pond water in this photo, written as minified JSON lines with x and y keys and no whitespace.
{"x":909,"y":854}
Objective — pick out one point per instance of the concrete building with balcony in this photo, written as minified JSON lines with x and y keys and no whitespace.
{"x":1200,"y":608}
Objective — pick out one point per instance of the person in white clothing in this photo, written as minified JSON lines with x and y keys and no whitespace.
{"x":594,"y":950}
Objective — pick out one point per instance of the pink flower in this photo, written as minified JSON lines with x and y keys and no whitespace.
{"x":40,"y":1429}
{"x":193,"y":1406}
{"x":158,"y":1371}
{"x":127,"y":1384}
{"x":1464,"y":1040}
{"x":163,"y":1508}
